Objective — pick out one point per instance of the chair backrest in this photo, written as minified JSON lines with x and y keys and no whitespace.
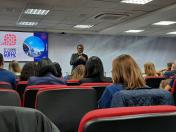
{"x":154,"y":82}
{"x":130,"y":119}
{"x":9,"y":97}
{"x":66,"y":106}
{"x":30,"y":93}
{"x":21,"y":86}
{"x":5,"y":85}
{"x":99,"y":87}
{"x":141,"y":97}
{"x":18,"y":119}
{"x":73,"y":82}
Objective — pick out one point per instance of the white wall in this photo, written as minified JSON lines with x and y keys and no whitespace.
{"x":143,"y":49}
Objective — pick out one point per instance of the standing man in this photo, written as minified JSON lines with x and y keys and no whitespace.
{"x":79,"y":57}
{"x":5,"y":75}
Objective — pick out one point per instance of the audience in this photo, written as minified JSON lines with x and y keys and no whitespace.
{"x":172,"y":72}
{"x":15,"y":68}
{"x":94,"y":71}
{"x":168,"y":68}
{"x":126,"y":74}
{"x":149,"y":69}
{"x":58,"y":69}
{"x":28,"y":70}
{"x":78,"y":73}
{"x":47,"y":74}
{"x":5,"y":75}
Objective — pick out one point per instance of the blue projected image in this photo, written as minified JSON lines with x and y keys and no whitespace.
{"x":33,"y":46}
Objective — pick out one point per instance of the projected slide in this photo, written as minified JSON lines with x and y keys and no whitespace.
{"x":24,"y":46}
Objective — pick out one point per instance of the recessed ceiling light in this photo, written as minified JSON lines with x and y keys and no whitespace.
{"x":164,"y":23}
{"x":83,"y":26}
{"x":36,"y":11}
{"x":134,"y":31}
{"x":172,"y":33}
{"x":140,"y":2}
{"x":28,"y":23}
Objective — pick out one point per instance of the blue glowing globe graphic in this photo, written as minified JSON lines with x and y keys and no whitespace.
{"x":33,"y":46}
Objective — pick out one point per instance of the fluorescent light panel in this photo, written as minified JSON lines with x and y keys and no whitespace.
{"x":140,"y":2}
{"x":164,"y":23}
{"x":36,"y":11}
{"x":83,"y":26}
{"x":28,"y":23}
{"x":134,"y":31}
{"x":172,"y":33}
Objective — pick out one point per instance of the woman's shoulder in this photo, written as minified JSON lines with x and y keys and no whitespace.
{"x":115,"y":87}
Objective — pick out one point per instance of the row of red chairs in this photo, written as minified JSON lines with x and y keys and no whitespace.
{"x":64,"y":105}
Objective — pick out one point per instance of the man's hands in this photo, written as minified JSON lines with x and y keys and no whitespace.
{"x":82,"y":58}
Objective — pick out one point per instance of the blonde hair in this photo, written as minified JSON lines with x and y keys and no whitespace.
{"x":78,"y":73}
{"x":149,"y":69}
{"x":14,"y":67}
{"x":126,"y":71}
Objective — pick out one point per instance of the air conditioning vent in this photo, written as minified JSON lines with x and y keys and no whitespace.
{"x":110,"y":16}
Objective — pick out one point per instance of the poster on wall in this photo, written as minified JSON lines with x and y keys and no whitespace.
{"x":24,"y":46}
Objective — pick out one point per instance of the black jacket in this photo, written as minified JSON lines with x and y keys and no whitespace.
{"x":16,"y":119}
{"x":75,"y":60}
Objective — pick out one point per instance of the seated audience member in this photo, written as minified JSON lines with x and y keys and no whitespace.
{"x":149,"y":69}
{"x":58,"y":69}
{"x":15,"y":68}
{"x":94,"y":71}
{"x":78,"y":73}
{"x":126,"y":74}
{"x":47,"y":75}
{"x":170,"y":84}
{"x":172,"y":72}
{"x":5,"y":75}
{"x":169,"y":66}
{"x":28,"y":70}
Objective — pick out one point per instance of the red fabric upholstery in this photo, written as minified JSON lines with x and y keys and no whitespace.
{"x":72,"y":81}
{"x":23,"y":82}
{"x":124,"y":111}
{"x":96,"y":84}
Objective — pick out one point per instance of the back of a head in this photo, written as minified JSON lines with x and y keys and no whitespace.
{"x":149,"y":69}
{"x":94,"y":68}
{"x":15,"y":67}
{"x":1,"y":59}
{"x":126,"y":71}
{"x":169,"y":65}
{"x":78,"y":73}
{"x":173,"y":66}
{"x":58,"y":69}
{"x":28,"y":70}
{"x":44,"y":62}
{"x":48,"y":69}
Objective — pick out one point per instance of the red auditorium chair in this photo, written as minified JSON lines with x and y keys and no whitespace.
{"x":130,"y":119}
{"x":30,"y":93}
{"x":21,"y":86}
{"x":99,"y":87}
{"x":9,"y":97}
{"x":153,"y":82}
{"x":66,"y":106}
{"x":73,"y":82}
{"x":18,"y":119}
{"x":6,"y":85}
